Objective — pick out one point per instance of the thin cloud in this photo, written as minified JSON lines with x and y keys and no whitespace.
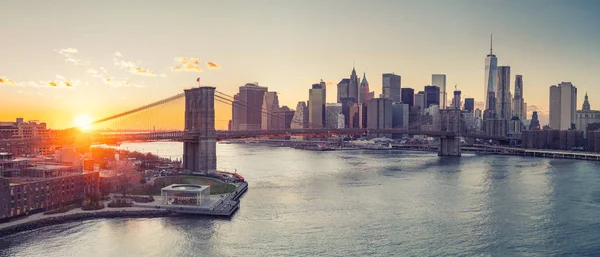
{"x":212,"y":65}
{"x":52,"y":83}
{"x":535,"y":108}
{"x":188,"y":64}
{"x":69,"y":55}
{"x":131,"y":67}
{"x":5,"y":80}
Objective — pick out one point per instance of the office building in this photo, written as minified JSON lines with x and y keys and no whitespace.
{"x":503,"y":106}
{"x":247,"y":107}
{"x":456,"y":103}
{"x":334,"y":110}
{"x":300,"y":119}
{"x":269,"y":108}
{"x":586,"y":116}
{"x":563,"y":100}
{"x":353,"y":85}
{"x":363,"y":90}
{"x":519,"y":106}
{"x":285,"y":116}
{"x":534,"y":124}
{"x":408,"y":96}
{"x":400,"y":115}
{"x":432,"y":96}
{"x":491,"y":77}
{"x":421,"y":100}
{"x":391,"y":87}
{"x":439,"y":80}
{"x":469,"y":104}
{"x":316,"y":106}
{"x":379,"y":114}
{"x":342,"y":89}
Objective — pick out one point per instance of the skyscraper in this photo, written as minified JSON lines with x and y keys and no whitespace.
{"x":469,"y":104}
{"x":432,"y":96}
{"x":408,"y":96}
{"x":333,"y":111}
{"x":503,"y":108}
{"x":535,"y":122}
{"x":300,"y":119}
{"x":421,"y":100}
{"x":518,"y":101}
{"x":456,"y":103}
{"x":586,"y":116}
{"x":247,"y":107}
{"x":563,"y":101}
{"x":363,"y":91}
{"x":379,"y":113}
{"x":391,"y":87}
{"x":491,"y":77}
{"x":353,"y":85}
{"x":439,"y":80}
{"x":269,"y":108}
{"x":342,"y":89}
{"x":316,"y":106}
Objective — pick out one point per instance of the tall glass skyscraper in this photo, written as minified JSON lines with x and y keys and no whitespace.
{"x":439,"y":80}
{"x":491,"y":77}
{"x":391,"y":85}
{"x":503,"y":106}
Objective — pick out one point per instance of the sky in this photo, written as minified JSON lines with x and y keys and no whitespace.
{"x":63,"y":59}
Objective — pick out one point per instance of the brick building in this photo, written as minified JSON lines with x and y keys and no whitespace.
{"x":33,"y":194}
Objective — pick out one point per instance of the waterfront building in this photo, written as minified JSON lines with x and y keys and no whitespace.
{"x":23,"y":129}
{"x":379,"y":113}
{"x":431,"y":118}
{"x":432,"y":96}
{"x":400,"y":115}
{"x":269,"y":108}
{"x":247,"y":107}
{"x":552,"y":139}
{"x":316,"y":106}
{"x":300,"y":118}
{"x":184,"y":194}
{"x":346,"y":105}
{"x":363,"y":91}
{"x":586,"y":116}
{"x":503,"y":99}
{"x":491,"y":78}
{"x":408,"y":96}
{"x":36,"y":194}
{"x":333,"y":111}
{"x":469,"y":104}
{"x":563,"y":100}
{"x":391,"y":87}
{"x":495,"y":126}
{"x":439,"y":80}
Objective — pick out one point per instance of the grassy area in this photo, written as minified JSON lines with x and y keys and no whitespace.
{"x":217,"y":187}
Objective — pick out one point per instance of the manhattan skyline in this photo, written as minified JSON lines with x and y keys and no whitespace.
{"x":112,"y":65}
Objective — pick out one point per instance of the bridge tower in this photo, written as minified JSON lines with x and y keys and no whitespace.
{"x":199,"y":154}
{"x":450,"y":124}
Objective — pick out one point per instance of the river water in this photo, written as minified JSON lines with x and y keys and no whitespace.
{"x":357,"y":203}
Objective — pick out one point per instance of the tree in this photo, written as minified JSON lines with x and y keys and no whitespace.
{"x":125,"y":171}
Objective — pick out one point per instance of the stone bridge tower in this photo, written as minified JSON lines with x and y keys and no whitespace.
{"x":199,"y":154}
{"x":450,"y":124}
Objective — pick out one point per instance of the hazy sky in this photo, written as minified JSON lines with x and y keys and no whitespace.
{"x":284,"y":45}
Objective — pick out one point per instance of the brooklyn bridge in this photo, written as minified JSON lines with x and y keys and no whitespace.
{"x":195,"y":108}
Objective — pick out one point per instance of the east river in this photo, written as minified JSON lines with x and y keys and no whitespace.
{"x":358,"y":203}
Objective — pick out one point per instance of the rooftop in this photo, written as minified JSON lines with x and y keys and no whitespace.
{"x":185,"y":188}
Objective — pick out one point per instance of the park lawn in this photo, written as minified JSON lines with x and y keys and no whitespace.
{"x":217,"y":187}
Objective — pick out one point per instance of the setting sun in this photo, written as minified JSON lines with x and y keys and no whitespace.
{"x":83,"y":122}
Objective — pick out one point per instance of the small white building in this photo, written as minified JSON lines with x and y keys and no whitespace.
{"x":185,"y":194}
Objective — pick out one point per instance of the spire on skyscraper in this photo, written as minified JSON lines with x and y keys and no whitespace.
{"x":364,"y":79}
{"x":491,"y":40}
{"x":586,"y":103}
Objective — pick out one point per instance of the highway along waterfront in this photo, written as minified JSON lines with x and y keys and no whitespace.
{"x":357,"y":203}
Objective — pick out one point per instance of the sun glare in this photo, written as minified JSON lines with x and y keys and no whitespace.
{"x":83,"y":122}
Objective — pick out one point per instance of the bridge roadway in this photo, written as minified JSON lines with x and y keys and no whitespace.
{"x":226,"y":135}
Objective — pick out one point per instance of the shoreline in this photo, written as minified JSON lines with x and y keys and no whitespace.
{"x":81,"y":216}
{"x":40,"y":220}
